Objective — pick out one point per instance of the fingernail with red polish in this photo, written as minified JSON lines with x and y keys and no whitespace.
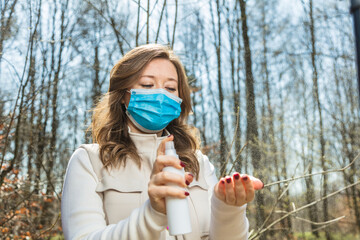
{"x":187,"y":182}
{"x":244,"y":178}
{"x":182,"y":164}
{"x":228,"y":180}
{"x":169,"y":135}
{"x":236,"y":176}
{"x":187,"y":193}
{"x":222,"y":182}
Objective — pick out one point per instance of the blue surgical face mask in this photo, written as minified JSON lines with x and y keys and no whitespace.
{"x":151,"y":110}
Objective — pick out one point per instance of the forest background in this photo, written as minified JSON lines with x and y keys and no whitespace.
{"x":273,"y":88}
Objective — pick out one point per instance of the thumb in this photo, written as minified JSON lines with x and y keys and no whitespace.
{"x":161,"y":148}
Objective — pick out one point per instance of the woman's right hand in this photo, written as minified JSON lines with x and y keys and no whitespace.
{"x":157,"y":189}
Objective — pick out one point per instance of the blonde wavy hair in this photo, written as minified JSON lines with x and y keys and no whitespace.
{"x":109,"y":121}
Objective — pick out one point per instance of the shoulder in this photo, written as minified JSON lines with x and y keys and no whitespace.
{"x":79,"y":155}
{"x":200,"y":156}
{"x":86,"y":156}
{"x":203,"y":160}
{"x":206,"y":171}
{"x":90,"y":148}
{"x":84,"y":153}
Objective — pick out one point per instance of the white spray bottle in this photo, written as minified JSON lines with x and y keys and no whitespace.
{"x":177,"y":209}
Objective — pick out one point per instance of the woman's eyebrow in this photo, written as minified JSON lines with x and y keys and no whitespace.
{"x":152,"y":76}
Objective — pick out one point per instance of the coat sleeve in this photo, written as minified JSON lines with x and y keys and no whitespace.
{"x":227,"y":222}
{"x":82,"y":211}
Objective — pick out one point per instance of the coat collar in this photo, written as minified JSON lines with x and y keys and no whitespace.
{"x":146,"y":143}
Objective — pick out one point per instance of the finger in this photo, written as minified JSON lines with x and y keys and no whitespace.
{"x":240,"y":192}
{"x":257,"y":183}
{"x":159,"y":192}
{"x":249,"y":188}
{"x":161,"y":148}
{"x":229,"y":191}
{"x":219,"y":190}
{"x":166,"y":161}
{"x":163,"y":178}
{"x":189,"y":177}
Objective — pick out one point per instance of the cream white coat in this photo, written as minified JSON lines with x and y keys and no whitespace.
{"x":113,"y":204}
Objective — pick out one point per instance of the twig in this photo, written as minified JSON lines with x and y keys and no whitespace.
{"x":161,"y":16}
{"x":49,"y":181}
{"x":137,"y":24}
{"x":320,"y":223}
{"x":302,"y":208}
{"x":279,"y":229}
{"x":147,"y":21}
{"x":277,"y":202}
{"x":109,"y":22}
{"x":237,"y":159}
{"x":313,"y":174}
{"x":175,"y":21}
{"x":6,"y":219}
{"x":50,"y":228}
{"x":232,"y":144}
{"x":139,"y":5}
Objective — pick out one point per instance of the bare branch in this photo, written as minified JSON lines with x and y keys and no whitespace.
{"x":313,"y":174}
{"x":175,"y":21}
{"x":139,"y":5}
{"x":232,"y":144}
{"x":237,"y":159}
{"x":112,"y":24}
{"x":161,"y":16}
{"x":274,"y":206}
{"x":257,"y":234}
{"x":137,"y":24}
{"x":147,"y":21}
{"x":320,"y":223}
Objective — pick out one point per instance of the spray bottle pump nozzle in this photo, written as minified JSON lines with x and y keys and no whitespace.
{"x":170,"y":149}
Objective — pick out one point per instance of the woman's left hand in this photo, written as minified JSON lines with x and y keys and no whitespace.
{"x":235,"y":190}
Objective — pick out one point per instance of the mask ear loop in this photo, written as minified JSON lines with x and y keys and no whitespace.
{"x":122,"y":97}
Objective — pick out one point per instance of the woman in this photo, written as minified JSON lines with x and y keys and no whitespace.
{"x":116,"y":189}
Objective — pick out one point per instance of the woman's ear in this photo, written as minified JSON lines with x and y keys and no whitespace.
{"x":125,"y":98}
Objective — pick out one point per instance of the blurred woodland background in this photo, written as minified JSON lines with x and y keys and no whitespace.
{"x":273,"y":88}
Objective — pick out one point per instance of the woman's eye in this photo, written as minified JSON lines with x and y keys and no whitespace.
{"x":146,"y":85}
{"x":171,"y":89}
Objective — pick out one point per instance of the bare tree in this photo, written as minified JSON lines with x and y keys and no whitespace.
{"x":251,"y":119}
{"x":234,"y":33}
{"x":315,"y":79}
{"x":217,"y":46}
{"x":18,"y":147}
{"x":7,"y":22}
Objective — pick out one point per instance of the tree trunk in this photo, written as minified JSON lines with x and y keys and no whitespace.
{"x":18,"y":136}
{"x":175,"y":23}
{"x":318,"y":105}
{"x":286,"y":200}
{"x":5,"y":22}
{"x":217,"y":45}
{"x":96,"y":89}
{"x":252,"y":128}
{"x":31,"y":125}
{"x":308,"y":163}
{"x":205,"y":60}
{"x":239,"y":163}
{"x":235,"y":89}
{"x":47,"y":215}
